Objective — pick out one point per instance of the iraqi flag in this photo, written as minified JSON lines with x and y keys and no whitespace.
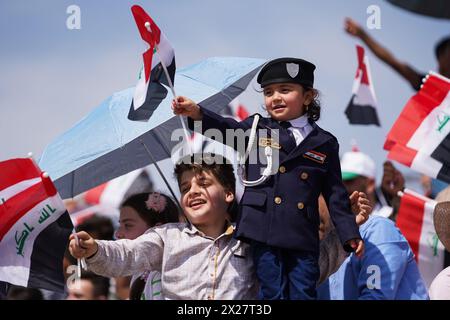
{"x":415,"y":221}
{"x":152,"y":85}
{"x":362,"y":106}
{"x":34,"y":227}
{"x":420,"y":137}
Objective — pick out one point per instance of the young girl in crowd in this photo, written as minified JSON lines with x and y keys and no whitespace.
{"x":278,"y":212}
{"x":137,"y":214}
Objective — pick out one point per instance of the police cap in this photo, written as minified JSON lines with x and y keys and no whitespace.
{"x":291,"y":70}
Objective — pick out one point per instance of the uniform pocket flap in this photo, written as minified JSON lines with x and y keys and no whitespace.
{"x":254,"y":198}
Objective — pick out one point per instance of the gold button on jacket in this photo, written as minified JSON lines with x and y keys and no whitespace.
{"x":277,"y":200}
{"x":300,"y":205}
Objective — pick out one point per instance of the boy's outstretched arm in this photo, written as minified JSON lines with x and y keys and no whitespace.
{"x":121,"y":257}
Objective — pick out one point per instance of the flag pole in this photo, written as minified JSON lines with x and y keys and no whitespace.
{"x":169,"y":81}
{"x":161,"y":174}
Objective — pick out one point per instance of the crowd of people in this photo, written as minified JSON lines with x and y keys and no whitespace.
{"x":318,"y":226}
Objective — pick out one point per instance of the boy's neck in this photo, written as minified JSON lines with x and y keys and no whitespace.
{"x":213,"y":230}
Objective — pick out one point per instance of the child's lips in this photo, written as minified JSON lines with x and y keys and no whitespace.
{"x":196,"y":204}
{"x":278,"y":108}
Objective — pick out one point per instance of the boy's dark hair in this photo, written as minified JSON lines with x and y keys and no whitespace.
{"x":219,"y":166}
{"x":442,"y":46}
{"x":313,"y":109}
{"x":151,"y":217}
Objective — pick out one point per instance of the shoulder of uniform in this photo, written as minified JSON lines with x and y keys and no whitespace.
{"x":326,"y":133}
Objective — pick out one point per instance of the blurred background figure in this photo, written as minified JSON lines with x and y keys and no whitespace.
{"x":387,"y":270}
{"x":100,"y":227}
{"x":90,"y":287}
{"x":430,"y":186}
{"x":358,"y":174}
{"x":22,"y":293}
{"x":409,"y":73}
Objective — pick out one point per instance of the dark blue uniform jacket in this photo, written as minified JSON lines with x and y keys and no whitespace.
{"x":283,"y":211}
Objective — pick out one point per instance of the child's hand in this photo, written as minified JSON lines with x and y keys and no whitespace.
{"x":360,"y":207}
{"x":85,"y":249}
{"x":353,"y":28}
{"x":186,"y":107}
{"x":357,"y":246}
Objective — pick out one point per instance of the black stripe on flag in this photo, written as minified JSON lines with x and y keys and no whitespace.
{"x":46,"y":267}
{"x":442,"y":154}
{"x":155,"y":94}
{"x":361,"y":114}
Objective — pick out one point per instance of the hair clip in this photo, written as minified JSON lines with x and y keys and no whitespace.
{"x":156,"y":202}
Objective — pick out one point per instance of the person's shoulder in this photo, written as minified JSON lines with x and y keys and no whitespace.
{"x":322,"y":130}
{"x":379,"y":229}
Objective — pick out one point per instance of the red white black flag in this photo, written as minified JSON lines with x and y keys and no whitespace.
{"x":420,"y":138}
{"x":34,"y":227}
{"x":415,"y":221}
{"x":152,"y":85}
{"x":362,"y":106}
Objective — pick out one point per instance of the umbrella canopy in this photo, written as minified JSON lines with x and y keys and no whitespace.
{"x":432,"y":8}
{"x":105,"y":144}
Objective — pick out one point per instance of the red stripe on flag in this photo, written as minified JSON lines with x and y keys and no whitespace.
{"x":16,"y":170}
{"x":93,"y":196}
{"x":152,"y":37}
{"x":361,"y":65}
{"x":17,"y":206}
{"x":242,"y":113}
{"x":402,"y":154}
{"x":410,"y":220}
{"x":416,"y":110}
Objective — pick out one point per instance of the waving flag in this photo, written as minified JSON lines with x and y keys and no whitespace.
{"x":415,"y":221}
{"x":362,"y":106}
{"x":34,"y":227}
{"x":150,"y":89}
{"x":420,"y":138}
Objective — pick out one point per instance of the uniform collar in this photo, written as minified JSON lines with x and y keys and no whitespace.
{"x":299,"y":122}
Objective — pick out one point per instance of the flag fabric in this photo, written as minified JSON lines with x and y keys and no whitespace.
{"x":420,"y":137}
{"x":34,"y":227}
{"x":106,"y":199}
{"x":363,"y":103}
{"x":415,"y":221}
{"x":151,"y":88}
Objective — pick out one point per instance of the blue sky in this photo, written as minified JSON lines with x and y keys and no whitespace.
{"x":51,"y":77}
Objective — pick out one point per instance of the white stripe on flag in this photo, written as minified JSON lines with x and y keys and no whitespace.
{"x":431,"y":250}
{"x":11,"y":191}
{"x":16,"y":246}
{"x":425,"y":164}
{"x":140,"y":93}
{"x":364,"y":96}
{"x":427,"y":136}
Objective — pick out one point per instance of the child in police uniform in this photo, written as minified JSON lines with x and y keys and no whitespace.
{"x":278,"y":213}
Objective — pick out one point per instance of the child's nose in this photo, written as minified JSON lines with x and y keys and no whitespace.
{"x":119,"y":234}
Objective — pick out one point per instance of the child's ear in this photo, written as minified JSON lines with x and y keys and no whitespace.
{"x":229,"y":196}
{"x":309,"y":96}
